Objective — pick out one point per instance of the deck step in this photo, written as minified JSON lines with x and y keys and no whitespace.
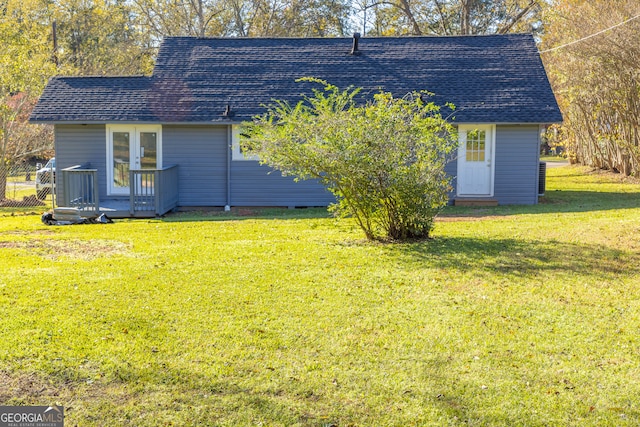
{"x":67,"y":214}
{"x":475,"y":201}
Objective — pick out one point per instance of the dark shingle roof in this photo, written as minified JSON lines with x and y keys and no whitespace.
{"x":490,"y":79}
{"x":93,"y":99}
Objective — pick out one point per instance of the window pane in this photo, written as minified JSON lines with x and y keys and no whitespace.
{"x":121,"y":149}
{"x":148,"y":150}
{"x":476,"y":146}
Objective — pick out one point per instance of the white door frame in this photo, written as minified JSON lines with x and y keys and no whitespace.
{"x":464,"y":188}
{"x":134,"y":151}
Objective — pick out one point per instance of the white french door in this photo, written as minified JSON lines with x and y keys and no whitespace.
{"x":475,"y":160}
{"x":129,"y":148}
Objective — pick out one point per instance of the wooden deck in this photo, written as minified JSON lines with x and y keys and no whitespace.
{"x":116,"y":209}
{"x":121,"y":209}
{"x":153,"y":193}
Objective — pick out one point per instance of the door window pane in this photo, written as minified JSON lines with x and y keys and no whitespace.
{"x":148,"y":150}
{"x":121,"y":151}
{"x":476,"y":143}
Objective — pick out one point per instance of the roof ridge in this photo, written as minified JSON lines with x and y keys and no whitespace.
{"x":135,"y":76}
{"x":406,"y":37}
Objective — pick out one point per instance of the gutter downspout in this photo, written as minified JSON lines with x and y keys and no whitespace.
{"x":227,"y":206}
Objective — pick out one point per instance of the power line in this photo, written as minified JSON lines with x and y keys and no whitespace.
{"x":590,"y":36}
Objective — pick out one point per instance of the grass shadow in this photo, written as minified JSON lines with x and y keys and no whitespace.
{"x":515,"y":257}
{"x":126,"y":393}
{"x":555,"y":201}
{"x":248,"y":213}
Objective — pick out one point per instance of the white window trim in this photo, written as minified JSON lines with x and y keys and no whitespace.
{"x":462,"y":151}
{"x":134,"y":130}
{"x":236,"y":150}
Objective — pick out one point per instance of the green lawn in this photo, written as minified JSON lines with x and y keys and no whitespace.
{"x":510,"y":316}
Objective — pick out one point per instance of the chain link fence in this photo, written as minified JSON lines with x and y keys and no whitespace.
{"x":27,"y":186}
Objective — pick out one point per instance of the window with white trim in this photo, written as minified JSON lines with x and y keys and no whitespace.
{"x":236,"y":149}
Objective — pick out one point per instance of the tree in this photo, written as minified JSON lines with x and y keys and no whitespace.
{"x":98,"y":37}
{"x":451,"y":17}
{"x":25,"y":66}
{"x":384,"y":160}
{"x":593,"y":59}
{"x":292,"y":18}
{"x":243,"y":18}
{"x":197,"y":18}
{"x":94,"y":37}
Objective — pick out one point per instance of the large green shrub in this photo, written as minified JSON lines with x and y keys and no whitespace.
{"x":383,"y":160}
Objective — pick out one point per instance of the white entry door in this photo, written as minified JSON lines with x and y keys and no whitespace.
{"x":475,"y":160}
{"x":131,"y":148}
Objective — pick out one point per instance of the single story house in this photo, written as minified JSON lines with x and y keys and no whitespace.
{"x":143,"y":145}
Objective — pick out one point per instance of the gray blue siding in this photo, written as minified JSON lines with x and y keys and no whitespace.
{"x":203,"y":155}
{"x":79,"y":145}
{"x":256,"y":185}
{"x":451,"y":169}
{"x":516,"y":165}
{"x":200,"y":153}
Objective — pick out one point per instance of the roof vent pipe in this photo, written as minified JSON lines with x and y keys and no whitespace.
{"x":227,"y":110}
{"x":356,"y":39}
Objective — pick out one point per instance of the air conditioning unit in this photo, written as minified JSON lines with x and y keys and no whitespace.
{"x":542,"y":178}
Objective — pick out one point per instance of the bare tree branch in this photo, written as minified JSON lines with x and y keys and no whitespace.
{"x":406,"y":8}
{"x":446,"y":29}
{"x":506,"y":28}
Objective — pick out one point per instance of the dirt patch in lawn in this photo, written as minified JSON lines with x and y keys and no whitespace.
{"x":25,"y":389}
{"x":78,"y":249}
{"x":28,"y":233}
